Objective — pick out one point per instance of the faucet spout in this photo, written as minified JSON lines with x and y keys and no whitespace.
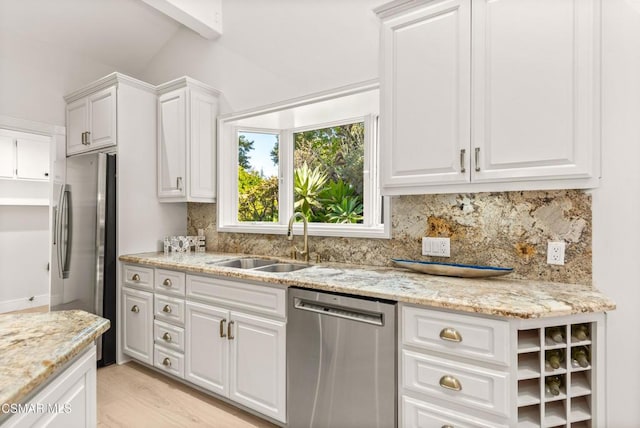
{"x":305,"y":251}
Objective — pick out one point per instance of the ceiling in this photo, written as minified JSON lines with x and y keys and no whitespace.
{"x":124,"y":34}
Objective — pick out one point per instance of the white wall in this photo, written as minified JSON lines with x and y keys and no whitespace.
{"x":34,"y":77}
{"x":271,"y":52}
{"x":616,"y":208}
{"x":24,"y":254}
{"x":274,"y":51}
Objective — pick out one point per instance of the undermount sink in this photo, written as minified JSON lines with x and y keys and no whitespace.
{"x":282,"y":267}
{"x":246,"y":263}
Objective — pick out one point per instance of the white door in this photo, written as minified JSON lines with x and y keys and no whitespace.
{"x":138,"y":324}
{"x":258,"y":364}
{"x":7,"y":156}
{"x":426,"y":97}
{"x":32,"y":158}
{"x":172,"y":140}
{"x":207,"y":348}
{"x":535,"y":92}
{"x":77,"y":125}
{"x":102,"y":118}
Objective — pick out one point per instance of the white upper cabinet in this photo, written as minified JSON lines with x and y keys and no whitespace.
{"x":32,"y":158}
{"x":24,"y":156}
{"x":482,"y":95}
{"x":187,"y":112}
{"x":425,"y":95}
{"x":91,"y":121}
{"x":7,"y":156}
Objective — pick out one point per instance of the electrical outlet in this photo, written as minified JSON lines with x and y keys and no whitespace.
{"x":555,"y":253}
{"x":440,"y":247}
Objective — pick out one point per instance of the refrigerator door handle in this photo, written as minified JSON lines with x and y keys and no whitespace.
{"x":64,"y":222}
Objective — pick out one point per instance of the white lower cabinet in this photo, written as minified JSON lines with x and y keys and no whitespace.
{"x":71,"y":398}
{"x":207,"y":347}
{"x":237,"y":355}
{"x":137,"y":317}
{"x":257,"y":364}
{"x":459,"y":370}
{"x":228,"y":337}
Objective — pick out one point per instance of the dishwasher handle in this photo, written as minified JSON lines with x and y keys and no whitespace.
{"x":352,"y":314}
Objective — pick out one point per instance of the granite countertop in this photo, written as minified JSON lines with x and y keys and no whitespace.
{"x":33,"y":346}
{"x":499,"y":296}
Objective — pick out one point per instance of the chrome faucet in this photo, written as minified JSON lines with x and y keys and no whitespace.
{"x":305,"y":251}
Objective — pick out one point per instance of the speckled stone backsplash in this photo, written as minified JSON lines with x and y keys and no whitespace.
{"x":509,"y":229}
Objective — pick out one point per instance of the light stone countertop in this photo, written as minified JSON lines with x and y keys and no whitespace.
{"x":33,"y":346}
{"x":499,"y":296}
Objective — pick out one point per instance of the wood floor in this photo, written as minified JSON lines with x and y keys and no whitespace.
{"x":131,"y":395}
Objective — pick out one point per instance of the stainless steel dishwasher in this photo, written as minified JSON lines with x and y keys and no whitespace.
{"x":341,"y":361}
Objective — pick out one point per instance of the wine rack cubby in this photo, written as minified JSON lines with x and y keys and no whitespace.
{"x":556,"y":375}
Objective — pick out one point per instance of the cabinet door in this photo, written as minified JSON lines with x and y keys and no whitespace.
{"x":7,"y":156}
{"x":102,"y":119}
{"x":172,"y":140}
{"x":32,"y":158}
{"x":258,"y":364}
{"x":77,"y":124}
{"x":138,"y":324}
{"x":535,"y":91}
{"x":202,"y":152}
{"x":207,"y":348}
{"x":426,"y":97}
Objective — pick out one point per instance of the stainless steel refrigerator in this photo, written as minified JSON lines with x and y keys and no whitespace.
{"x":84,"y":243}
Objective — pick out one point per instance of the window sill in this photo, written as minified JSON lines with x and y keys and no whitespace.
{"x":328,"y":230}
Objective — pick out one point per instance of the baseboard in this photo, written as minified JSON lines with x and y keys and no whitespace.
{"x":23,"y":303}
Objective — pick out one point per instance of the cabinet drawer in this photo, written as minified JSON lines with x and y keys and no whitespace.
{"x":255,"y":298}
{"x":138,"y":276}
{"x":169,"y":309}
{"x":169,"y":282}
{"x":479,"y":387}
{"x":169,"y":361}
{"x":418,"y":414}
{"x":459,"y":335}
{"x":168,"y":335}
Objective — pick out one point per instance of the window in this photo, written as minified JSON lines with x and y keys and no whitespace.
{"x":316,"y":156}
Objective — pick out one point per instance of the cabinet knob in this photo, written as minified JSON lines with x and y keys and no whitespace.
{"x":166,"y":336}
{"x":450,"y":382}
{"x":222,"y":333}
{"x":135,"y":277}
{"x":166,"y":362}
{"x":450,"y":334}
{"x":166,"y":309}
{"x":167,"y":282}
{"x":135,"y":309}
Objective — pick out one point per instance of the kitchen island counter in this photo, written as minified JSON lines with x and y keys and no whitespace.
{"x":498,"y":296}
{"x":35,"y":347}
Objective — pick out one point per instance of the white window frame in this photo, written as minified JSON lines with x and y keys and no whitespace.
{"x":227,"y":205}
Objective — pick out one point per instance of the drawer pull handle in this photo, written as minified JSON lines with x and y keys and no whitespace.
{"x":447,"y":426}
{"x":222,"y":333}
{"x":166,"y":362}
{"x":450,"y":334}
{"x":166,"y":336}
{"x":135,"y":309}
{"x":167,"y":282}
{"x":462,"y":155}
{"x":135,"y":277}
{"x":450,"y":382}
{"x":231,"y":337}
{"x":166,"y":309}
